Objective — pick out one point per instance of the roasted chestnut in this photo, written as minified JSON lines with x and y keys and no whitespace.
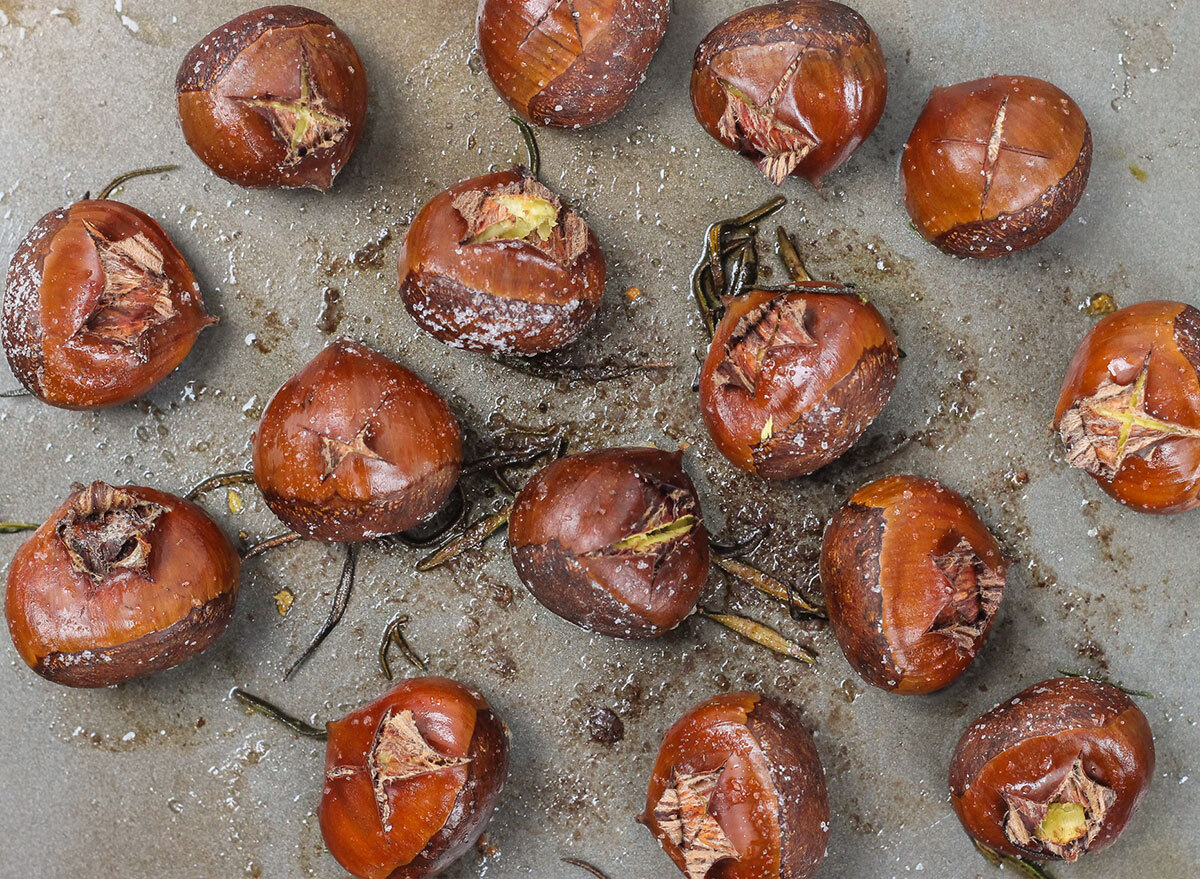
{"x":738,"y":792}
{"x":794,"y":376}
{"x":795,"y":85}
{"x":995,"y":165}
{"x":99,"y":307}
{"x":354,"y":447}
{"x":565,"y":64}
{"x":412,"y":779}
{"x":118,"y":583}
{"x":613,"y":541}
{"x":1129,"y":411}
{"x":499,"y":264}
{"x":275,"y":98}
{"x":1054,"y":772}
{"x":913,"y":581}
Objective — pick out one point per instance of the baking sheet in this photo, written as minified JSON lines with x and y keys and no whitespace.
{"x":169,"y":777}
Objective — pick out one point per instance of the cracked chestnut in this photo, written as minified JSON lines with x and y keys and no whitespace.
{"x":794,"y":376}
{"x":913,"y":582}
{"x":354,"y":447}
{"x":568,"y":64}
{"x":612,"y":541}
{"x":499,"y":264}
{"x":275,"y":98}
{"x":1057,"y":771}
{"x":118,"y":583}
{"x":412,"y":779}
{"x":795,"y":86}
{"x":995,"y":165}
{"x":100,"y":306}
{"x":1129,"y":411}
{"x":738,"y":792}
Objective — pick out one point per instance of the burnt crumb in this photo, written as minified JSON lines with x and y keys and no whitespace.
{"x":604,"y":726}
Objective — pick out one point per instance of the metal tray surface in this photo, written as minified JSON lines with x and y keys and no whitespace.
{"x":169,"y":777}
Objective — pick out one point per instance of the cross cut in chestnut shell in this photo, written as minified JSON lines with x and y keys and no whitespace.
{"x":355,"y":446}
{"x":613,"y":541}
{"x":1073,"y":743}
{"x":913,"y":581}
{"x":99,"y":306}
{"x":738,"y":792}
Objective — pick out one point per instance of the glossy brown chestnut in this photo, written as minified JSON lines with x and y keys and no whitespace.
{"x":354,"y":447}
{"x":412,"y":779}
{"x":1056,"y":771}
{"x":738,"y":792}
{"x":794,"y":376}
{"x":118,"y":583}
{"x":796,"y":86}
{"x":913,"y":581}
{"x":565,"y":64}
{"x":613,"y":541}
{"x":275,"y":98}
{"x":1129,"y":412}
{"x":995,"y":165}
{"x":499,"y":264}
{"x":99,"y":307}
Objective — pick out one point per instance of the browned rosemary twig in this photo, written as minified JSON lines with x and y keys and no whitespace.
{"x":341,"y":598}
{"x":269,"y":544}
{"x":760,"y":634}
{"x":475,"y":535}
{"x":221,"y":480}
{"x":259,"y":705}
{"x":394,"y":634}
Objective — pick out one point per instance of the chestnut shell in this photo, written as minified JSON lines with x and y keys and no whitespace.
{"x":893,"y":583}
{"x":1157,"y":345}
{"x":69,"y":344}
{"x":435,"y":817}
{"x":566,"y":532}
{"x":802,"y":402}
{"x":995,"y":165}
{"x":802,"y":77}
{"x":770,"y":799}
{"x":569,"y":65}
{"x":277,"y":97}
{"x":355,"y":446}
{"x":84,"y":631}
{"x":1028,"y":745}
{"x":503,"y":296}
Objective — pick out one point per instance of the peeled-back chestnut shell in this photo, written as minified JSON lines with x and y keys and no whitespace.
{"x":1129,"y":412}
{"x":995,"y":165}
{"x":913,"y":581}
{"x":796,"y":86}
{"x":505,"y":295}
{"x":569,"y":65}
{"x":794,"y":376}
{"x":738,"y":792}
{"x":412,"y":779}
{"x":100,"y":306}
{"x":1056,"y":771}
{"x":613,"y":541}
{"x":275,"y":98}
{"x":118,"y":583}
{"x":354,"y":447}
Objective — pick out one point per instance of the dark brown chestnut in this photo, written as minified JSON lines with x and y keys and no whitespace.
{"x":913,"y":582}
{"x":795,"y":85}
{"x":1129,"y":411}
{"x":566,"y":64}
{"x":794,"y":376}
{"x":613,"y":541}
{"x":275,"y":98}
{"x":100,"y":306}
{"x":499,"y":264}
{"x":412,"y":779}
{"x":1055,"y":772}
{"x":995,"y":165}
{"x":738,"y":792}
{"x":354,"y":447}
{"x":118,"y":583}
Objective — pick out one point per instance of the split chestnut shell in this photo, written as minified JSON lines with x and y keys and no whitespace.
{"x":913,"y":582}
{"x":613,"y":541}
